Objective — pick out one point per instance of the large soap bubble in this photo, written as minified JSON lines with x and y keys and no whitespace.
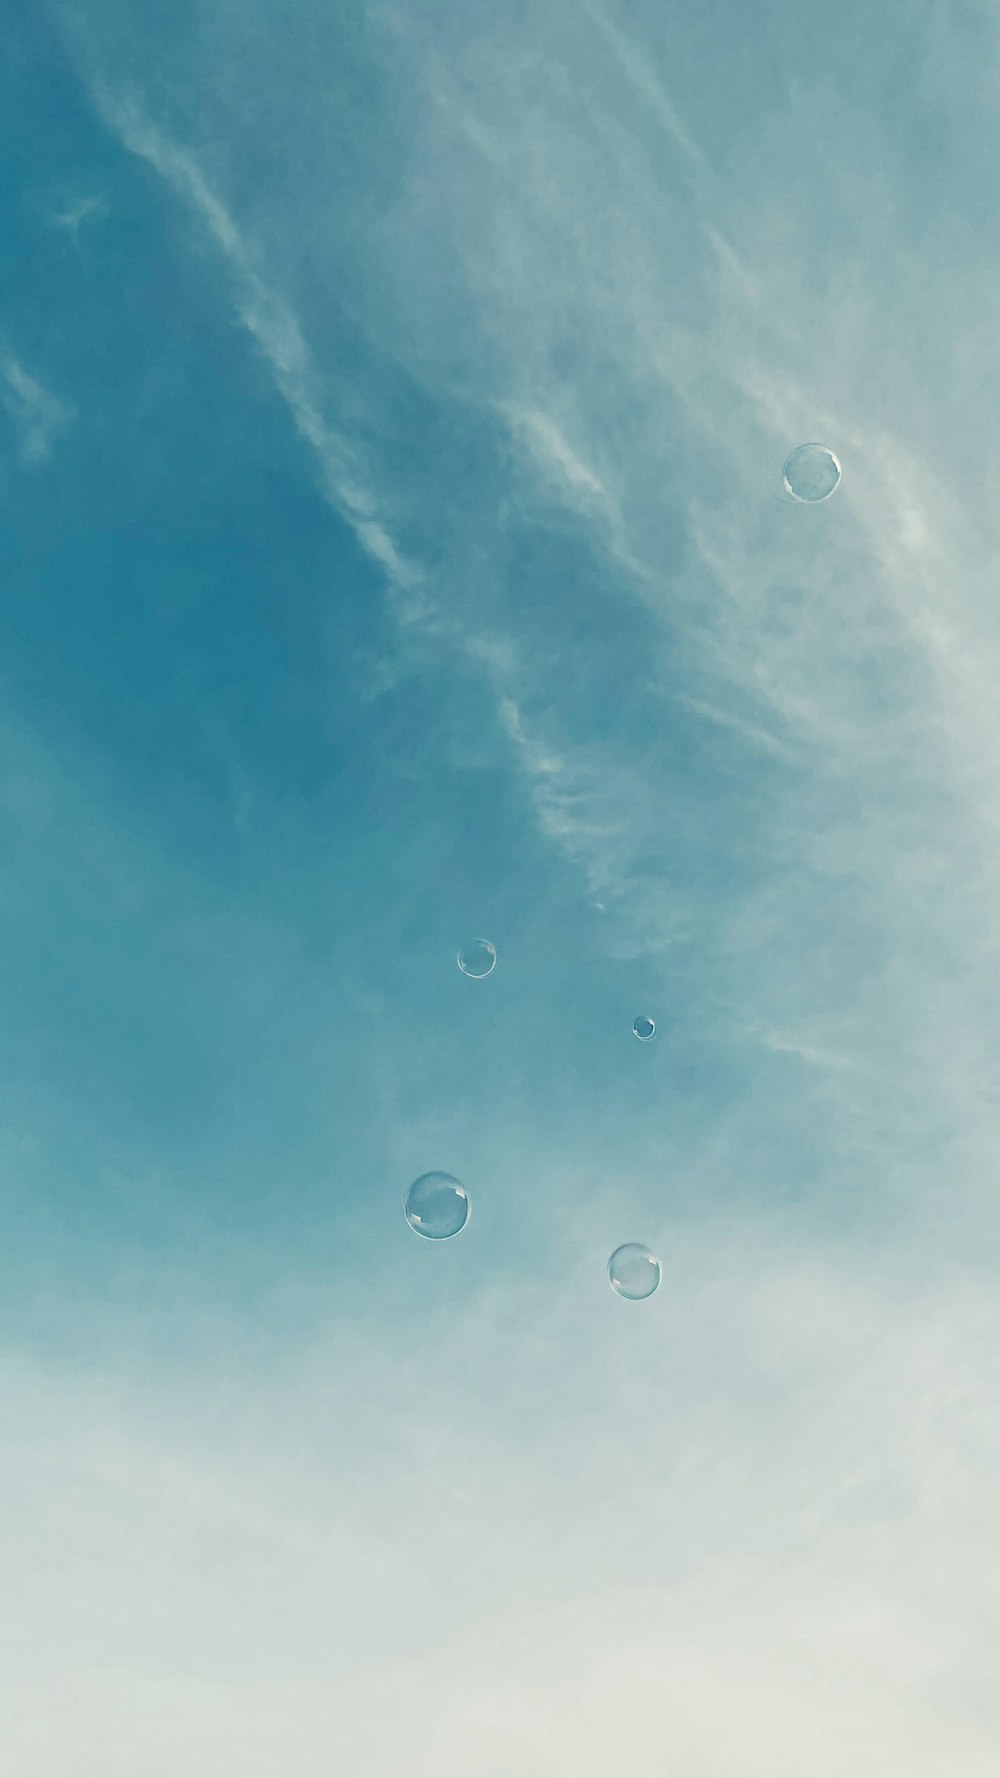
{"x":477,"y":958}
{"x":811,"y":472}
{"x":644,"y":1028}
{"x":634,"y":1271}
{"x":436,"y":1206}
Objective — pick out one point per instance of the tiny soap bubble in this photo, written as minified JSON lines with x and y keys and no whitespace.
{"x":633,"y":1271}
{"x":811,"y":473}
{"x":477,"y":958}
{"x":436,"y":1206}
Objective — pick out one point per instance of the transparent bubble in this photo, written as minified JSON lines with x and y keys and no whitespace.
{"x":436,"y":1206}
{"x":644,"y":1029}
{"x":634,"y":1271}
{"x":477,"y":958}
{"x":811,"y":472}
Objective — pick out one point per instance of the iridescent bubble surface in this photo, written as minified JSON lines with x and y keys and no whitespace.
{"x":634,"y":1272}
{"x":436,"y":1206}
{"x":644,"y":1029}
{"x":811,"y":472}
{"x":477,"y":958}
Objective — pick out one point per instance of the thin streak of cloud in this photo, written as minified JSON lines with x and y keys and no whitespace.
{"x":555,"y":455}
{"x":38,"y":415}
{"x":732,"y":262}
{"x":278,"y":335}
{"x":72,"y":218}
{"x":753,"y":732}
{"x":563,"y":801}
{"x":644,"y":81}
{"x":786,"y":1043}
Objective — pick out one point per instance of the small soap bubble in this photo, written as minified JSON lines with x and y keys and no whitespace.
{"x":811,"y":472}
{"x":436,"y":1206}
{"x":634,"y":1271}
{"x":644,"y":1029}
{"x":477,"y":958}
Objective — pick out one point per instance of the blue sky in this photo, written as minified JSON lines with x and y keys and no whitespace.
{"x":393,"y":402}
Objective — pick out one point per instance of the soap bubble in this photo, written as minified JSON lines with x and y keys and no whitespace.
{"x":436,"y":1206}
{"x":811,"y":472}
{"x":634,"y":1271}
{"x":477,"y":958}
{"x":644,"y":1029}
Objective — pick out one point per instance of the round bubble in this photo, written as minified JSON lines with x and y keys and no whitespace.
{"x":811,"y":472}
{"x":634,"y":1271}
{"x":436,"y":1206}
{"x":477,"y":958}
{"x":644,"y":1029}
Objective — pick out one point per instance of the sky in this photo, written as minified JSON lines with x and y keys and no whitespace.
{"x":393,"y":405}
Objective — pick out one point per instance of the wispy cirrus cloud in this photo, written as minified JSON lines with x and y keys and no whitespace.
{"x":84,"y":209}
{"x":655,"y":406}
{"x":650,"y":355}
{"x":273,"y":325}
{"x":350,"y":484}
{"x":38,"y":417}
{"x":643,"y":80}
{"x":784,"y":619}
{"x":555,"y":456}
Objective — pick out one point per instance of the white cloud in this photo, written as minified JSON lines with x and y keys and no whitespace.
{"x":276,"y":331}
{"x":72,"y":218}
{"x":757,"y":1547}
{"x":637,"y":66}
{"x":554,"y":455}
{"x":38,"y":415}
